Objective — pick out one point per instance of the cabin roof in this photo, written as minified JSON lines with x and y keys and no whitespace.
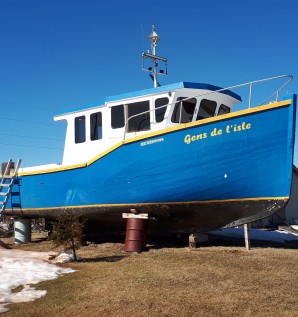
{"x":151,"y":91}
{"x":171,"y":87}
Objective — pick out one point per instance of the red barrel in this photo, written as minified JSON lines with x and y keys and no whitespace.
{"x":136,"y":234}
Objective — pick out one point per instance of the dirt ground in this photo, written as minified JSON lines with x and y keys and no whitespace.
{"x":220,"y":278}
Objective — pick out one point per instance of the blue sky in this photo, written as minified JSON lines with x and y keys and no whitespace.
{"x":59,"y":55}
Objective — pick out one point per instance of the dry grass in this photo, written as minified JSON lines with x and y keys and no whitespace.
{"x":209,"y":281}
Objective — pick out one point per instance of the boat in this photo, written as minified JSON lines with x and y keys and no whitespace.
{"x":181,"y":153}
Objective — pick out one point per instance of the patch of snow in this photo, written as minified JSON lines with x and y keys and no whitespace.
{"x":4,"y":226}
{"x":65,"y":257}
{"x":24,"y":268}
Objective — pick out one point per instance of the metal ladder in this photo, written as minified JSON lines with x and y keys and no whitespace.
{"x":6,"y":183}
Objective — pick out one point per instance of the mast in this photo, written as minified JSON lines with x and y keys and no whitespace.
{"x":154,"y":71}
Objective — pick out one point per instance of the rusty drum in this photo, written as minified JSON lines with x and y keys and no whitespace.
{"x":136,"y":235}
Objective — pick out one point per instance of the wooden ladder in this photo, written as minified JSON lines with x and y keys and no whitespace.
{"x":6,"y":183}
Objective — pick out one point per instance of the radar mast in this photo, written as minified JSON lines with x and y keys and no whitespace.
{"x":154,"y":71}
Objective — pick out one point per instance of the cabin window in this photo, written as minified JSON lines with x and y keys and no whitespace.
{"x":160,"y":112}
{"x":117,"y":117}
{"x":223,"y":109}
{"x":142,"y":121}
{"x":96,"y":126}
{"x":207,"y":109}
{"x":80,"y":134}
{"x":186,"y":112}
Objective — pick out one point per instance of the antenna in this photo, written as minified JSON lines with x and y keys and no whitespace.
{"x":154,"y":39}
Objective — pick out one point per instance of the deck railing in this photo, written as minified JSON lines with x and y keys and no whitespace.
{"x":249,"y":84}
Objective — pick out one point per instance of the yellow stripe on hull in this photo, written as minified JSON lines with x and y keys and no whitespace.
{"x":162,"y":132}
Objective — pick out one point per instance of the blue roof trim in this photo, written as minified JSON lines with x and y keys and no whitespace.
{"x":160,"y":89}
{"x":213,"y":88}
{"x":145,"y":92}
{"x":171,"y":87}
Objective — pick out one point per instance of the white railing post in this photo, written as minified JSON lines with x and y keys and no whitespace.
{"x":250,"y":95}
{"x":277,"y":95}
{"x":180,"y":112}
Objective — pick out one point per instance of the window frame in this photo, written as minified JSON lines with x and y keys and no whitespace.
{"x":175,"y":118}
{"x":80,"y":129}
{"x":134,"y":124}
{"x":118,"y":119}
{"x":160,"y":109}
{"x":222,"y":106}
{"x":96,"y":126}
{"x":202,"y":106}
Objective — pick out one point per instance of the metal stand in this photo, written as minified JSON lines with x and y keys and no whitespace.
{"x":22,"y":230}
{"x":246,"y":236}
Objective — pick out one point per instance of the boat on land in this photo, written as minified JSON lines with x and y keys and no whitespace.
{"x":179,"y":152}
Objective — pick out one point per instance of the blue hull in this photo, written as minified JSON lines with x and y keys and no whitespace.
{"x":215,"y":171}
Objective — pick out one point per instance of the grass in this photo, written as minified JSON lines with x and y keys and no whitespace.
{"x":208,"y":281}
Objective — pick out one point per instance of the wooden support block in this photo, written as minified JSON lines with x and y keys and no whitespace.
{"x":196,"y":238}
{"x":136,"y":216}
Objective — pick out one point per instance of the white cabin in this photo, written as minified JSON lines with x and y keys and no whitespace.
{"x":93,"y":130}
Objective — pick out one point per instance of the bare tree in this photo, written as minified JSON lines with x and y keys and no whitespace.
{"x":68,"y":231}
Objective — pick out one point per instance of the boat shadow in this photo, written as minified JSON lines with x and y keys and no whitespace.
{"x":168,"y":242}
{"x":217,"y":241}
{"x":240,"y":242}
{"x":96,"y":259}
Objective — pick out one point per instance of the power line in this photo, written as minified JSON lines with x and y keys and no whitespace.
{"x":32,"y":146}
{"x":31,"y":122}
{"x":25,"y":106}
{"x":31,"y":137}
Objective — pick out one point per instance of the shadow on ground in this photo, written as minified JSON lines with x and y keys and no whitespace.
{"x":103,"y":259}
{"x":238,"y":242}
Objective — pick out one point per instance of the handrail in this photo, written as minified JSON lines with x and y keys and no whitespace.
{"x":251,"y":83}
